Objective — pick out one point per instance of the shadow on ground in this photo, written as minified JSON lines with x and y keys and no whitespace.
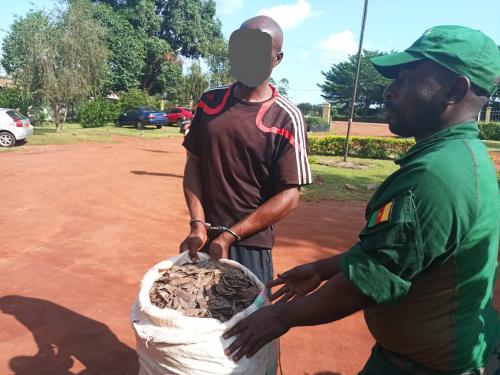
{"x":65,"y":338}
{"x":141,"y":173}
{"x":156,"y":151}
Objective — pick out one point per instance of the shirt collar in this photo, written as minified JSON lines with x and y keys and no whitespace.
{"x":468,"y":130}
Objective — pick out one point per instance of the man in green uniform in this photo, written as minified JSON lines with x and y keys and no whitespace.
{"x":425,"y":264}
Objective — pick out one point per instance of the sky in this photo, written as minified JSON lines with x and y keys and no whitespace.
{"x":319,"y":33}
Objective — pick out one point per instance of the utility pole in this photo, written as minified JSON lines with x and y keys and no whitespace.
{"x":360,"y":51}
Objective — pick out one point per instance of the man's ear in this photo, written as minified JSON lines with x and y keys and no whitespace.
{"x":279,"y":57}
{"x":458,"y":88}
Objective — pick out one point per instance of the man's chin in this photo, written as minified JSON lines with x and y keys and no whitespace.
{"x":392,"y":125}
{"x":398,"y":130}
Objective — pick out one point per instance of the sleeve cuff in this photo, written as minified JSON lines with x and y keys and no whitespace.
{"x":371,"y":277}
{"x":188,"y":146}
{"x":293,"y":181}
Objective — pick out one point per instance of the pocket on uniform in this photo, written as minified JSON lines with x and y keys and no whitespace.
{"x":396,"y":243}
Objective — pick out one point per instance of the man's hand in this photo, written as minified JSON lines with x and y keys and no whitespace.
{"x":298,"y":282}
{"x":263,"y":326}
{"x":219,"y":248}
{"x":194,"y":241}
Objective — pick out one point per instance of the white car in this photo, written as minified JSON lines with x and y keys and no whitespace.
{"x":14,"y":127}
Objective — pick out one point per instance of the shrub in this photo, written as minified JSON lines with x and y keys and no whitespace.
{"x":489,"y":131}
{"x":97,"y":113}
{"x":15,"y":98}
{"x":38,"y":115}
{"x":314,"y":119}
{"x":136,"y":98}
{"x":361,"y":147}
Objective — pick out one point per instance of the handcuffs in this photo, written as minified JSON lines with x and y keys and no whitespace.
{"x":212,"y":228}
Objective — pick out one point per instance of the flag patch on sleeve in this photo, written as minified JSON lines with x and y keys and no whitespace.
{"x":381,"y":215}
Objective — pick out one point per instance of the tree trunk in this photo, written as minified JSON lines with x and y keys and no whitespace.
{"x":57,"y":118}
{"x":65,"y":113}
{"x":150,"y":86}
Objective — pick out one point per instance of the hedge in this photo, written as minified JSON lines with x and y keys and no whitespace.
{"x":361,"y":147}
{"x":97,"y":113}
{"x":489,"y":131}
{"x":136,"y":98}
{"x":314,"y":119}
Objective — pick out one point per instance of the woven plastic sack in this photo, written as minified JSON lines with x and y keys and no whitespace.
{"x":170,"y":343}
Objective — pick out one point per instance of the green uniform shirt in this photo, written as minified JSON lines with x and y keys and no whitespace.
{"x":428,"y":254}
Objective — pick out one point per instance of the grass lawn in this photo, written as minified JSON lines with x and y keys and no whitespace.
{"x":334,"y":182}
{"x":74,"y":133}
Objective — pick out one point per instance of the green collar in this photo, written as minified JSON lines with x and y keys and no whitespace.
{"x":468,"y":130}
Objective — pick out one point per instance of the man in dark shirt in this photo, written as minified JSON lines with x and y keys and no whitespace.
{"x":246,"y":155}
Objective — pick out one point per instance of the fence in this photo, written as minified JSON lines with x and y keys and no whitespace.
{"x":317,"y":116}
{"x":489,"y":115}
{"x":495,"y":116}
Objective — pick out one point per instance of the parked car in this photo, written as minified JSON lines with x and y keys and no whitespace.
{"x":176,"y":115}
{"x":142,"y":116}
{"x":14,"y":127}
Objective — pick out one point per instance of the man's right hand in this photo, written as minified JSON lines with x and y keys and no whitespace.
{"x":194,"y":241}
{"x":298,"y":282}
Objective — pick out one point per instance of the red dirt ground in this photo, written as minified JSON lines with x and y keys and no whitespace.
{"x":362,"y":129}
{"x":82,"y":223}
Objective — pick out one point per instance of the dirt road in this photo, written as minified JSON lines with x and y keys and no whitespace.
{"x":366,"y":129}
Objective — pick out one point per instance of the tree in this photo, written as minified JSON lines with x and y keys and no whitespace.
{"x":170,"y":80}
{"x":59,"y":57}
{"x":339,"y":81}
{"x":157,"y":31}
{"x":127,"y":58}
{"x":189,"y":26}
{"x":282,"y":86}
{"x":218,"y":63}
{"x":195,"y":83}
{"x":13,"y":97}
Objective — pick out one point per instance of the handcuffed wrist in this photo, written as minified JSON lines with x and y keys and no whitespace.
{"x":197,"y":221}
{"x":197,"y":224}
{"x":233,"y":234}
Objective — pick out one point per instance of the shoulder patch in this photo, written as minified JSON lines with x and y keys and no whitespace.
{"x":381,"y":215}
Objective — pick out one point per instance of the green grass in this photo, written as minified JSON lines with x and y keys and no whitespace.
{"x":74,"y":133}
{"x":331,"y":180}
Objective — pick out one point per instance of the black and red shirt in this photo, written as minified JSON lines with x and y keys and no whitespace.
{"x":248,"y":151}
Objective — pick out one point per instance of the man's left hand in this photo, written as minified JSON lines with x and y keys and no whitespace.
{"x":219,"y":248}
{"x":254,"y":332}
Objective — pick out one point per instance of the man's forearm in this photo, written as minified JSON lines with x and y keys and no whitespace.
{"x":192,"y":188}
{"x":328,"y":267}
{"x":335,"y":300}
{"x":269,"y":213}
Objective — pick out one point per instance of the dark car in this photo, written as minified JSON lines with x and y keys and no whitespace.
{"x":141,"y":117}
{"x":177,"y":115}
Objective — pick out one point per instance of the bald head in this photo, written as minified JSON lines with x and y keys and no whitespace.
{"x":267,"y":25}
{"x":255,"y":50}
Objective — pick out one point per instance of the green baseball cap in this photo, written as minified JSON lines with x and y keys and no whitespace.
{"x":462,"y":50}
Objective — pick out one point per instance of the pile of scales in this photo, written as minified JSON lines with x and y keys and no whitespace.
{"x":206,"y":289}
